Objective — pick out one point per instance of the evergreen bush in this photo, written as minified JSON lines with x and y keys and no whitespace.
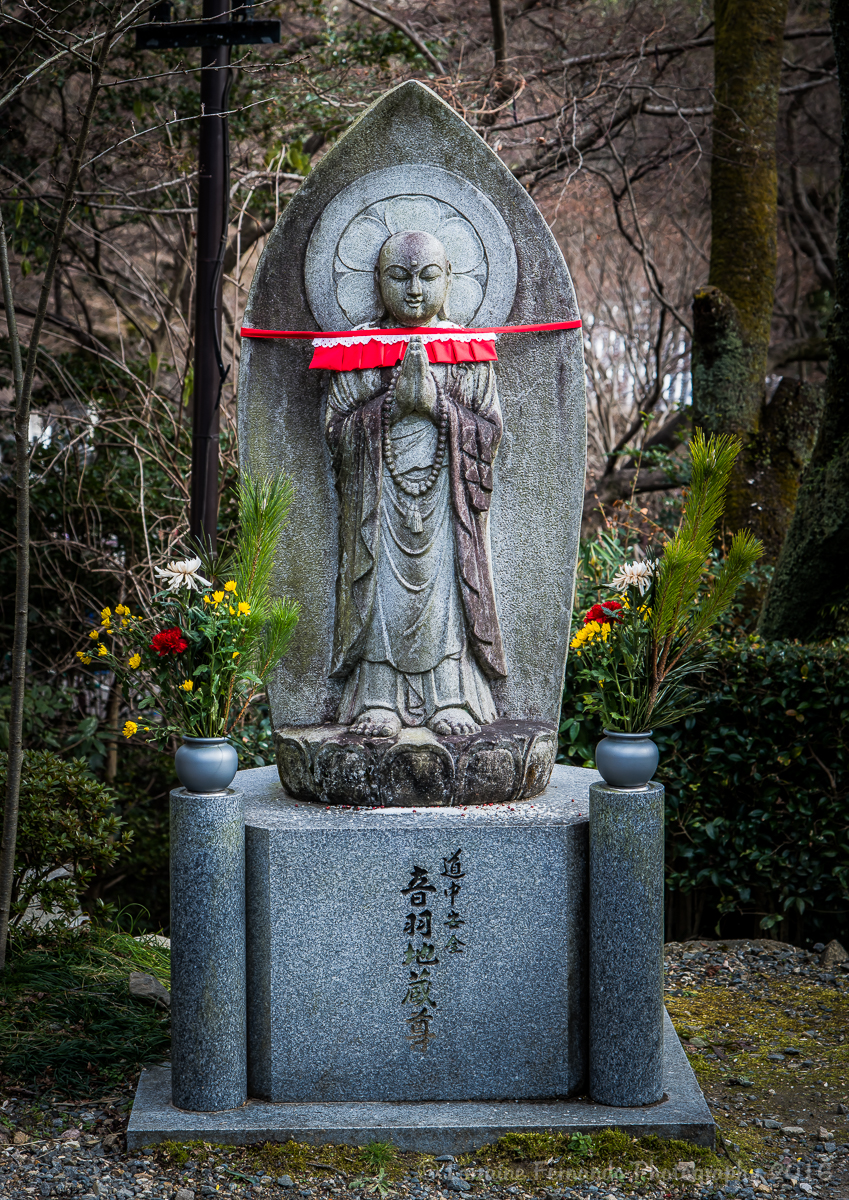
{"x":67,"y":819}
{"x":757,"y":792}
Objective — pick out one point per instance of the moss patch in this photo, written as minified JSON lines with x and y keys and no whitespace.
{"x":740,"y":1079}
{"x":297,"y":1159}
{"x":531,"y":1157}
{"x":610,"y":1148}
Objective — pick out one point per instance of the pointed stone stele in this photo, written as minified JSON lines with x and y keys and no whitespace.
{"x":411,"y":162}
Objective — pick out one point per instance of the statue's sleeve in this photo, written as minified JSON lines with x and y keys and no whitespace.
{"x":475,"y":427}
{"x":480,"y":427}
{"x":353,"y":430}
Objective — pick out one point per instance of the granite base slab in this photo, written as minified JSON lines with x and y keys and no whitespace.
{"x":431,"y":1127}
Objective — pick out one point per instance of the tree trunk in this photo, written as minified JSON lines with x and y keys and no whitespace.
{"x":732,"y":314}
{"x":113,"y":715}
{"x":777,"y":456}
{"x":23,"y":394}
{"x":812,"y":572}
{"x":499,"y":34}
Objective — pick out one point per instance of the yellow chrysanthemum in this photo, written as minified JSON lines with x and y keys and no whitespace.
{"x":217,"y":597}
{"x":94,"y":635}
{"x":207,"y":599}
{"x":121,"y":610}
{"x":130,"y":727}
{"x":232,"y":611}
{"x":101,"y":650}
{"x":83,"y":657}
{"x":105,"y":614}
{"x":135,"y":661}
{"x":230,"y":586}
{"x":590,"y":633}
{"x":244,"y":608}
{"x":187,"y":685}
{"x":236,"y":653}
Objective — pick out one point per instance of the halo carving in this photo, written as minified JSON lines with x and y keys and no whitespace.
{"x":344,"y":245}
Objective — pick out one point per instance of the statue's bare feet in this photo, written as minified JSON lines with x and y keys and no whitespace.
{"x":377,"y":722}
{"x":453,"y":721}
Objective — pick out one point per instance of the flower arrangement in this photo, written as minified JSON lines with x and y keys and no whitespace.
{"x":202,"y":653}
{"x":639,"y":648}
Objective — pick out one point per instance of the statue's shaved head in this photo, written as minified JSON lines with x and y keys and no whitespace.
{"x":414,"y":277}
{"x":412,"y":248}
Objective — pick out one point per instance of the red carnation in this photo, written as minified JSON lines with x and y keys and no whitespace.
{"x":603,"y":613}
{"x":169,"y":641}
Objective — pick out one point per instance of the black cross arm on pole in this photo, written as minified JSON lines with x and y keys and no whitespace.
{"x":161,"y":35}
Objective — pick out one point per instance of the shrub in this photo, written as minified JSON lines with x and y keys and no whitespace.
{"x":756,"y":789}
{"x":757,"y":786}
{"x":757,"y":783}
{"x":67,"y":819}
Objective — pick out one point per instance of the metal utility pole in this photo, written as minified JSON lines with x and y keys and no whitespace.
{"x":215,"y":34}
{"x":213,"y":214}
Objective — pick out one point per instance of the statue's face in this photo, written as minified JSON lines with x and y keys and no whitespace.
{"x":414,"y":276}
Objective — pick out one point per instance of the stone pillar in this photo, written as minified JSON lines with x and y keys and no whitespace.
{"x":626,"y":945}
{"x":208,"y":1003}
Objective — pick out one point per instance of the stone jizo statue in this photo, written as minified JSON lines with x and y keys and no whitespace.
{"x":411,"y":359}
{"x":417,"y":637}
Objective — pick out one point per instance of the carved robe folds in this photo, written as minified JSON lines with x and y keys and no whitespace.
{"x":416,"y":627}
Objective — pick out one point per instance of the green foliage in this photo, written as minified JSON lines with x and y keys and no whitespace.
{"x":255,"y":740}
{"x":681,"y":611}
{"x":263,"y":512}
{"x":50,"y":722}
{"x":639,"y":649}
{"x":756,"y":785}
{"x":200,"y":655}
{"x":91,"y":518}
{"x":67,"y":818}
{"x":581,"y":1145}
{"x":378,"y":1154}
{"x":67,"y":1020}
{"x":679,"y":571}
{"x":610,"y":1148}
{"x":374,"y":1186}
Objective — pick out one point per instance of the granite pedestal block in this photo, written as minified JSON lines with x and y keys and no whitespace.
{"x":626,"y":944}
{"x":495,"y":1043}
{"x":507,"y":760}
{"x":416,"y":955}
{"x":208,"y":1006}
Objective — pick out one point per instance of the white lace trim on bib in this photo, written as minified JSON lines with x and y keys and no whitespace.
{"x":388,"y":339}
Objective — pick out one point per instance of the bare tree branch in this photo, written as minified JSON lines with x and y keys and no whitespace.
{"x":404,"y":28}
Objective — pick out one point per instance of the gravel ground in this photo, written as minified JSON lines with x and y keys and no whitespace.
{"x":765,"y":1027}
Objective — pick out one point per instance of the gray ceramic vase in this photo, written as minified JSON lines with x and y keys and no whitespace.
{"x":626,"y":760}
{"x":206,"y":765}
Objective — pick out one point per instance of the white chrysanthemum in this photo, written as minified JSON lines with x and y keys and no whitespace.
{"x":635,"y":574}
{"x":183,"y":574}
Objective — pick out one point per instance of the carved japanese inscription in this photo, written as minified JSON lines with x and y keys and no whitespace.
{"x":433,"y":929}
